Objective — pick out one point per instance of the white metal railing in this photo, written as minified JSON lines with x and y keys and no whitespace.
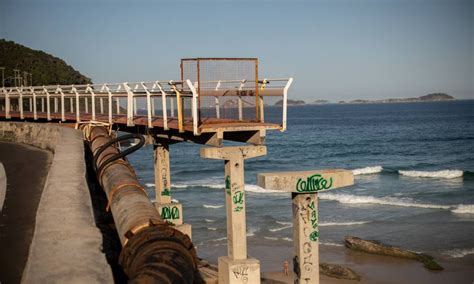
{"x":65,"y":100}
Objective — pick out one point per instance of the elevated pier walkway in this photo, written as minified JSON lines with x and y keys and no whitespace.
{"x":216,"y":99}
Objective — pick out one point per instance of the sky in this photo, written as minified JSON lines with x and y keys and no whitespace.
{"x":335,"y":50}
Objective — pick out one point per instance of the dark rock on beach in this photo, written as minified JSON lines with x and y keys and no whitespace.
{"x":375,"y":247}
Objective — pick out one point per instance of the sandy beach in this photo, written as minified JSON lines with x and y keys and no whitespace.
{"x":386,"y":270}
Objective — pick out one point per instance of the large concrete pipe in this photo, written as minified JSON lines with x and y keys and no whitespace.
{"x":153,"y":251}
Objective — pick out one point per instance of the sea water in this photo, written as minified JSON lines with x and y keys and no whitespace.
{"x":414,"y":180}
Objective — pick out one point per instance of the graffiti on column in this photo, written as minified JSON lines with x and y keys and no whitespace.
{"x":227,"y":184}
{"x":170,"y":213}
{"x":313,"y":183}
{"x":241,"y":273}
{"x":238,"y":199}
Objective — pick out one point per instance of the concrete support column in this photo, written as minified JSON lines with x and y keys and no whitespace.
{"x":236,"y":267}
{"x":169,"y":211}
{"x":305,"y":237}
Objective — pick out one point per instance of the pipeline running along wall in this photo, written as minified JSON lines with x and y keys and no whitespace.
{"x":153,"y":251}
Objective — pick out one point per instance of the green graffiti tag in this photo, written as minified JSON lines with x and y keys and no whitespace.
{"x":238,"y":199}
{"x":168,"y":213}
{"x":313,"y":183}
{"x":165,"y":192}
{"x":227,"y":184}
{"x":314,"y":236}
{"x":314,"y":221}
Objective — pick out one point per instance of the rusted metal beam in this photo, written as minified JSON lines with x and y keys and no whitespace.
{"x":153,"y":251}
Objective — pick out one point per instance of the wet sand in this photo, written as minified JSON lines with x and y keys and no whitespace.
{"x":387,"y":270}
{"x":26,"y":168}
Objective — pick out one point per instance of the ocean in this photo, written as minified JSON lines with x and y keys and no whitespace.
{"x":414,"y":180}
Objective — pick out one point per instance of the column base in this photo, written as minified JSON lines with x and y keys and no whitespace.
{"x":238,"y":271}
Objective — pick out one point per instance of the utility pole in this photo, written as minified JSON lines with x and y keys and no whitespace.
{"x":15,"y":76}
{"x":25,"y":78}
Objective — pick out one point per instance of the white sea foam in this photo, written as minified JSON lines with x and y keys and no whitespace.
{"x":212,"y":229}
{"x":284,"y":223}
{"x":149,"y":184}
{"x":463,"y":209}
{"x":356,"y":199}
{"x":271,"y":238}
{"x":459,"y":253}
{"x":174,"y":200}
{"x":433,"y":174}
{"x":331,"y":244}
{"x":287,"y":239}
{"x":209,"y":220}
{"x":342,"y":223}
{"x":281,"y":228}
{"x":251,"y":232}
{"x":367,"y":170}
{"x":219,"y":239}
{"x":210,"y":206}
{"x":257,"y":189}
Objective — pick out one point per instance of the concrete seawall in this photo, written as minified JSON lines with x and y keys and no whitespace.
{"x":66,"y":245}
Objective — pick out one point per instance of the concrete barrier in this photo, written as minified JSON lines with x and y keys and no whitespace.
{"x":67,"y":245}
{"x":3,"y":185}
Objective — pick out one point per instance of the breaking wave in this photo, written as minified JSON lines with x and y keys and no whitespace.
{"x":433,"y":174}
{"x":342,"y":223}
{"x":209,"y":220}
{"x":402,"y":202}
{"x":464,"y":209}
{"x":210,"y":206}
{"x":281,"y":228}
{"x":459,"y":253}
{"x":367,"y":170}
{"x":355,"y":199}
{"x":331,"y":244}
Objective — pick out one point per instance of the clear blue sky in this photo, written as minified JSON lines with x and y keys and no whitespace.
{"x":336,"y":50}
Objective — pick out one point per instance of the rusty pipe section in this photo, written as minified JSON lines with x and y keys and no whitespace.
{"x":153,"y":251}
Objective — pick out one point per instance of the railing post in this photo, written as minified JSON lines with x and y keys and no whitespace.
{"x":130,"y":106}
{"x":241,"y":87}
{"x":216,"y":98}
{"x":7,"y":104}
{"x":48,"y":103}
{"x":91,"y":91}
{"x":117,"y":104}
{"x":55,"y":103}
{"x":78,"y":112}
{"x":285,"y":103}
{"x":164,"y":107}
{"x":260,"y":98}
{"x":20,"y":102}
{"x":148,"y":105}
{"x":179,"y":105}
{"x":194,"y":107}
{"x":71,"y":105}
{"x":42,"y":104}
{"x":101,"y":105}
{"x":63,"y":116}
{"x":86,"y":103}
{"x":109,"y":97}
{"x":30,"y":102}
{"x":35,"y":114}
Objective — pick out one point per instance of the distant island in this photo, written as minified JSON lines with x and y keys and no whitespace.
{"x":433,"y":97}
{"x":291,"y":102}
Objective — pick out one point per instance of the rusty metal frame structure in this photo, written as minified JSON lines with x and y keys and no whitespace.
{"x":198,"y":60}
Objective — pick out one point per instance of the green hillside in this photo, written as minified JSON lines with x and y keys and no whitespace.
{"x":46,"y":69}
